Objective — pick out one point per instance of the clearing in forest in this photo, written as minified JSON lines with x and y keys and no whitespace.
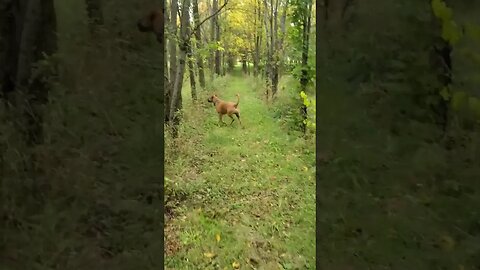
{"x":238,"y":197}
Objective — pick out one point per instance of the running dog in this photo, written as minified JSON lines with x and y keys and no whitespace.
{"x":225,"y":107}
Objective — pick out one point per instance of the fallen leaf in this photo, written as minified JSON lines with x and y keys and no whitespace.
{"x":209,"y":255}
{"x":447,"y":242}
{"x":217,"y":237}
{"x":236,"y":265}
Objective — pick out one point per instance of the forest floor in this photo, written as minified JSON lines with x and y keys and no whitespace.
{"x":236,"y":197}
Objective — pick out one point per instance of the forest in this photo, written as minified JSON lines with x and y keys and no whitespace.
{"x":112,"y":156}
{"x":240,"y":195}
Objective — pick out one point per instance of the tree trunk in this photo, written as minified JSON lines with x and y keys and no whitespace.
{"x":231,"y":62}
{"x":244,"y":65}
{"x":278,"y":47}
{"x":305,"y":46}
{"x":173,"y":58}
{"x":257,"y":38}
{"x":268,"y":39}
{"x":95,"y":14}
{"x":175,"y":103}
{"x":198,"y":38}
{"x":217,"y":39}
{"x":191,"y":70}
{"x":275,"y":52}
{"x":212,"y":38}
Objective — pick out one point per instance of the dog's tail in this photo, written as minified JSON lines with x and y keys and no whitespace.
{"x":238,"y":101}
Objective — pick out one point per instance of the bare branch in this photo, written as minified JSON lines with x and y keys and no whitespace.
{"x":204,"y":20}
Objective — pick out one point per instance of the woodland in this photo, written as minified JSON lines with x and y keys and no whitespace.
{"x":112,"y":158}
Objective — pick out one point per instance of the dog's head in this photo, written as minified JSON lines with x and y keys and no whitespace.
{"x":152,"y":22}
{"x":212,"y":98}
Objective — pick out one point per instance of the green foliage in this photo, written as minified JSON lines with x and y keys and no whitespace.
{"x":450,"y":30}
{"x":451,"y":33}
{"x":311,"y":110}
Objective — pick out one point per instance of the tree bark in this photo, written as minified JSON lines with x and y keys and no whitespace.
{"x":198,"y":38}
{"x":268,"y":39}
{"x":191,"y":70}
{"x":256,"y":37}
{"x":217,"y":39}
{"x":175,"y":103}
{"x":173,"y":58}
{"x":212,"y":38}
{"x":275,"y":52}
{"x":305,"y":47}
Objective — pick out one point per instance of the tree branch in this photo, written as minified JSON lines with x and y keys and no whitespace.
{"x":204,"y":20}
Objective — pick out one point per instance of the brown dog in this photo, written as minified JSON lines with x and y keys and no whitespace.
{"x":226,"y":107}
{"x":152,"y":22}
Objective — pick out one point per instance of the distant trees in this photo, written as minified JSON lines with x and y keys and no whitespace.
{"x":182,"y":52}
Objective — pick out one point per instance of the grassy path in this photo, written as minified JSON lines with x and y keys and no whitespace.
{"x":239,"y":198}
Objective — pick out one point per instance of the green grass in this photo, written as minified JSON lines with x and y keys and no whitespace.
{"x":252,"y":186}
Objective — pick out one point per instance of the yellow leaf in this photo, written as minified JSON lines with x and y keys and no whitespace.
{"x":217,"y":237}
{"x":209,"y":255}
{"x":236,"y":265}
{"x":305,"y":168}
{"x":447,"y":242}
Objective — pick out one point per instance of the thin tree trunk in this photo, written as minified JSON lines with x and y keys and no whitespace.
{"x":269,"y":38}
{"x":217,"y":39}
{"x":304,"y":75}
{"x":198,"y":38}
{"x":176,"y":102}
{"x":173,"y":58}
{"x":278,"y":47}
{"x":275,"y":52}
{"x":166,"y":46}
{"x":191,"y":70}
{"x":255,"y":39}
{"x":212,"y":38}
{"x":167,"y":82}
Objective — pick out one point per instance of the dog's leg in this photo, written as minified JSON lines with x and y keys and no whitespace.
{"x":238,"y":116}
{"x":220,"y":118}
{"x":233,"y":119}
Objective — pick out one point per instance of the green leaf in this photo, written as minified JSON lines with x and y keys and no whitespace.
{"x":303,"y":95}
{"x":441,"y":10}
{"x":306,"y":102}
{"x":451,"y":32}
{"x":445,"y":93}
